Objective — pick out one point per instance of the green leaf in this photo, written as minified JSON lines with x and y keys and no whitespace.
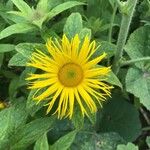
{"x":42,"y":143}
{"x":138,"y":45}
{"x":1,"y":59}
{"x":138,"y":80}
{"x":113,"y":79}
{"x":129,"y":146}
{"x":62,"y":7}
{"x":77,"y":119}
{"x":42,"y":5}
{"x":138,"y":83}
{"x":16,"y":28}
{"x":92,"y":141}
{"x":85,"y":32}
{"x":112,"y":3}
{"x":148,"y":141}
{"x":23,"y":7}
{"x":18,"y":60}
{"x":22,"y":78}
{"x":25,"y":51}
{"x":6,"y":48}
{"x":106,"y":47}
{"x":10,"y":120}
{"x":13,"y":87}
{"x":32,"y":106}
{"x":31,"y":132}
{"x":64,"y":142}
{"x":116,"y":117}
{"x":73,"y":25}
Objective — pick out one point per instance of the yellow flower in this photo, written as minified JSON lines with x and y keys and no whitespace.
{"x":70,"y":76}
{"x":2,"y":105}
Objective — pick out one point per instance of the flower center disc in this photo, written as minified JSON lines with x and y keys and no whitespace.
{"x":70,"y":75}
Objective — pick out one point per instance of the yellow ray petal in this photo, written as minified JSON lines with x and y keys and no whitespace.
{"x":48,"y":92}
{"x":51,"y":103}
{"x":87,"y":99}
{"x":93,"y":62}
{"x":97,"y":72}
{"x":41,"y":84}
{"x":40,"y":76}
{"x":75,"y":47}
{"x":71,"y":102}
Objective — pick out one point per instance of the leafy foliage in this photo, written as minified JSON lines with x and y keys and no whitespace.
{"x":26,"y":25}
{"x":129,"y":146}
{"x":120,"y":119}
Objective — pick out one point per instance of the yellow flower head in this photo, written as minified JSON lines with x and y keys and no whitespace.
{"x":2,"y":105}
{"x":70,"y":76}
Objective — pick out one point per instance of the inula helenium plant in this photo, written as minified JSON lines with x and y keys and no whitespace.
{"x":74,"y":74}
{"x":70,"y":75}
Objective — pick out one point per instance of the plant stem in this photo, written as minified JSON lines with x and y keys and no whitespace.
{"x":124,"y":29}
{"x":145,"y":116}
{"x":111,"y":23}
{"x":146,"y":128}
{"x":130,"y":62}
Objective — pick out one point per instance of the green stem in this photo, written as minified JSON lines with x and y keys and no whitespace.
{"x":146,"y":128}
{"x":111,"y":23}
{"x":130,"y":62}
{"x":124,"y":29}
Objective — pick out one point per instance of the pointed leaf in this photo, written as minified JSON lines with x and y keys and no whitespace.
{"x":42,"y":143}
{"x":18,"y":60}
{"x":16,"y":28}
{"x":148,"y":141}
{"x":62,"y":7}
{"x":10,"y":120}
{"x":6,"y":47}
{"x":42,"y":5}
{"x":31,"y":132}
{"x":113,"y":79}
{"x":73,"y":25}
{"x":22,"y":6}
{"x":64,"y":142}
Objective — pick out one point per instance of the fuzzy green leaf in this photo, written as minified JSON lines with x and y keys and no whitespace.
{"x":148,"y":141}
{"x":32,"y":106}
{"x":77,"y":119}
{"x":138,"y":83}
{"x":138,"y":45}
{"x":10,"y":120}
{"x":93,"y":141}
{"x":113,"y":79}
{"x":31,"y":132}
{"x":106,"y":47}
{"x":42,"y":143}
{"x":6,"y":48}
{"x":73,"y":25}
{"x":64,"y":142}
{"x":25,"y":51}
{"x":62,"y":7}
{"x":42,"y":5}
{"x":16,"y":28}
{"x":85,"y":32}
{"x":23,"y":7}
{"x":129,"y":146}
{"x":18,"y":60}
{"x":116,"y":117}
